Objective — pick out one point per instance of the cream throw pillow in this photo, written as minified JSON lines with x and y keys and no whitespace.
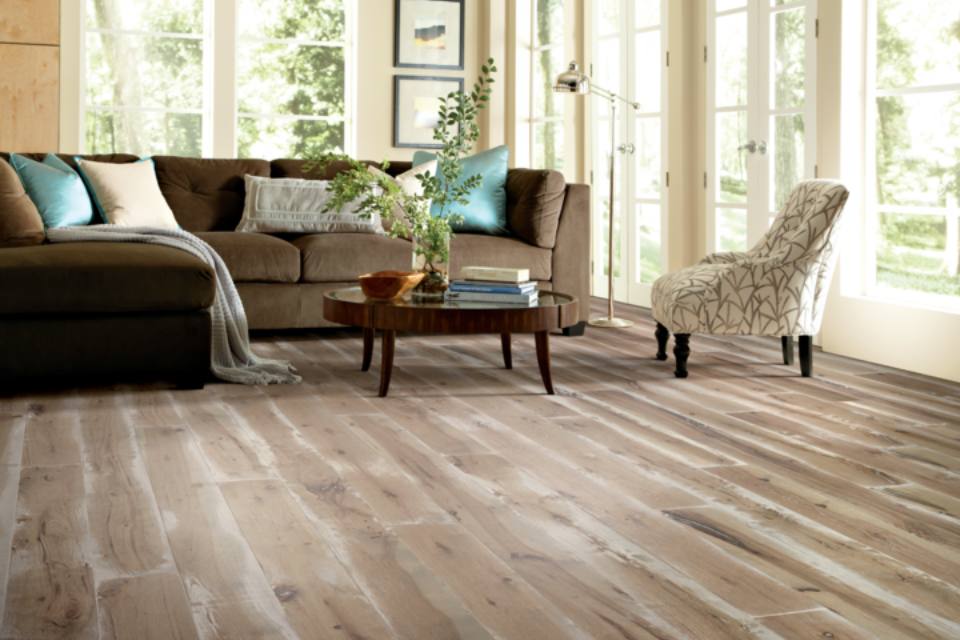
{"x":128,"y":195}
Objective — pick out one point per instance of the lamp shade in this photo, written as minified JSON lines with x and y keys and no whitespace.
{"x":572,"y":80}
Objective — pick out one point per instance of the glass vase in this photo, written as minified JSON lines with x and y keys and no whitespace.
{"x":431,"y":256}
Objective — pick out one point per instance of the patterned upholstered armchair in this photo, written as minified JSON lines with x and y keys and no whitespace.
{"x":777,"y":288}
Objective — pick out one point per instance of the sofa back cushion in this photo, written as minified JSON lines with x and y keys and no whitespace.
{"x":20,"y":222}
{"x":206,"y":194}
{"x":290,"y":168}
{"x":534,"y":201}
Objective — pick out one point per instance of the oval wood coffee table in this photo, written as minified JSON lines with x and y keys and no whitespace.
{"x":350,"y":307}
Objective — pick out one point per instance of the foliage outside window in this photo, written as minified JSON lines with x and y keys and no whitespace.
{"x":291,"y":66}
{"x":916,"y":147}
{"x":144,"y":77}
{"x":149,"y":64}
{"x":547,"y":107}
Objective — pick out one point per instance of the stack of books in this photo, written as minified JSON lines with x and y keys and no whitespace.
{"x":485,"y":285}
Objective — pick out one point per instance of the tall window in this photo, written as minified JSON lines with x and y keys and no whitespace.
{"x":542,"y":115}
{"x":913,"y":138}
{"x":629,"y":58}
{"x":290,"y":77}
{"x":647,"y":136}
{"x":150,"y":67}
{"x":548,"y":107}
{"x":144,"y":77}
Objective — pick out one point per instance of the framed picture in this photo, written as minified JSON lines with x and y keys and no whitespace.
{"x":416,"y":105}
{"x":428,"y":34}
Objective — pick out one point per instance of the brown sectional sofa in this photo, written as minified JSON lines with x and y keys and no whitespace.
{"x":132,"y":310}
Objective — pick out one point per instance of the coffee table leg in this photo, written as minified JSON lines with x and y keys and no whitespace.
{"x":368,"y":335}
{"x":543,"y":359}
{"x":386,"y":362}
{"x":507,"y":354}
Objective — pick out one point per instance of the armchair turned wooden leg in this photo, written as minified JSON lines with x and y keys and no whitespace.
{"x":681,"y":351}
{"x":786,"y":344}
{"x":806,"y":356}
{"x":663,"y":337}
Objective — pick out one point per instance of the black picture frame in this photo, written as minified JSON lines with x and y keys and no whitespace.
{"x":397,"y":62}
{"x":456,"y":84}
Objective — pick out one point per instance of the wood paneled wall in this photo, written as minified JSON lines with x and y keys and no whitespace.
{"x":30,"y":82}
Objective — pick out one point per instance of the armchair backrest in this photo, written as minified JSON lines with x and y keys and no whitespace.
{"x":802,"y":235}
{"x":804,"y":226}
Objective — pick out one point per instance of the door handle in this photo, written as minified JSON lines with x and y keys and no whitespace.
{"x":627,"y":148}
{"x":753,"y":146}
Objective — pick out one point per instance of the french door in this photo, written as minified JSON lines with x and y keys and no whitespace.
{"x":629,"y":58}
{"x":761,"y":113}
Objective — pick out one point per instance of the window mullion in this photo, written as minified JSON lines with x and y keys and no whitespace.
{"x":221,"y":73}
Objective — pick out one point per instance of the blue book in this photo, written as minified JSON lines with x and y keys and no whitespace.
{"x":525,"y":299}
{"x":490,"y":287}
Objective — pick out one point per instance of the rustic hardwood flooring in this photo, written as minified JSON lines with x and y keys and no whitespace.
{"x":742,"y":502}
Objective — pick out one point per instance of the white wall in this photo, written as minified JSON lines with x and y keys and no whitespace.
{"x":375,"y":72}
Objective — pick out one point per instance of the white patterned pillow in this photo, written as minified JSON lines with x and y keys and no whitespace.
{"x":278,"y":205}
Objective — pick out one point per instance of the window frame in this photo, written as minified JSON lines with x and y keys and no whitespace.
{"x":219,"y":112}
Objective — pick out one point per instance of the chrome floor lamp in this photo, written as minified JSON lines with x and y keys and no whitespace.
{"x":575,"y":81}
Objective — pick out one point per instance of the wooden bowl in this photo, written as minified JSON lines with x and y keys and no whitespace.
{"x":387,"y":285}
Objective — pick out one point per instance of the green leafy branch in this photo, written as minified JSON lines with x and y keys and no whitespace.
{"x":372,"y":192}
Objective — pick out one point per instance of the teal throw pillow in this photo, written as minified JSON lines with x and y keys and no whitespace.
{"x":487,"y":210}
{"x":56,"y":189}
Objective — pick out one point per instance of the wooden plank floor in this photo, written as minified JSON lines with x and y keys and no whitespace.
{"x":742,"y":502}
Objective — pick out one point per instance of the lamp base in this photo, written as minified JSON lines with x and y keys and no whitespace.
{"x":610,"y":323}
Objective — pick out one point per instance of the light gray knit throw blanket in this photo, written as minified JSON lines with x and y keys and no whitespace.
{"x":232,"y":358}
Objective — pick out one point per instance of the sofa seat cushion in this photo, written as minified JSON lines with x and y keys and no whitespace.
{"x":472,"y":250}
{"x":341,"y":257}
{"x":102,"y":277}
{"x":255,"y":257}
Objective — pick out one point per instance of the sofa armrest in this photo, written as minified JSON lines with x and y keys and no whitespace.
{"x":571,"y":255}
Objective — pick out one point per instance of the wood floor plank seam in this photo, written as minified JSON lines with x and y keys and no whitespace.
{"x":791,"y":613}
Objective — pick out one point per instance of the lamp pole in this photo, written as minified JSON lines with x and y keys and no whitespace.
{"x":575,"y":81}
{"x":611,"y":320}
